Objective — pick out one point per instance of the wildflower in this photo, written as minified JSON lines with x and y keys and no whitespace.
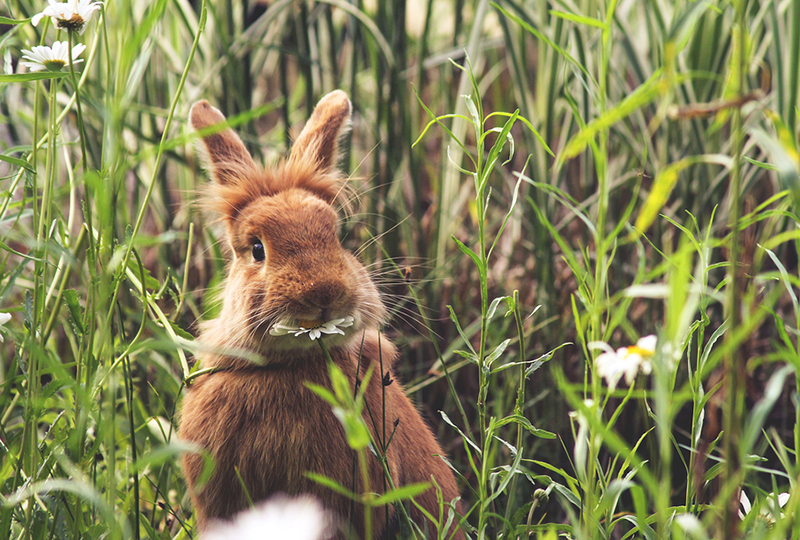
{"x":581,"y":451}
{"x":4,"y":318}
{"x":52,"y":58}
{"x":70,"y":15}
{"x":627,"y":361}
{"x":302,"y":518}
{"x":314,"y":328}
{"x":770,"y":513}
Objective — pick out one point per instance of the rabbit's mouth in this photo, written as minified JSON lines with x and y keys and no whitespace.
{"x":312,"y":328}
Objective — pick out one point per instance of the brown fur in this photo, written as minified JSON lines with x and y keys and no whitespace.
{"x":259,"y":421}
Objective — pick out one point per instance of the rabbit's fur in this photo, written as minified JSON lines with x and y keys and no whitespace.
{"x":259,"y":421}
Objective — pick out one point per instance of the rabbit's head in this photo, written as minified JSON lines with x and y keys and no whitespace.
{"x":288,"y":270}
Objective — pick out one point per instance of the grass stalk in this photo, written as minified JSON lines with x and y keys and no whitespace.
{"x":519,"y":406}
{"x":98,"y":201}
{"x":734,"y":365}
{"x":159,"y":157}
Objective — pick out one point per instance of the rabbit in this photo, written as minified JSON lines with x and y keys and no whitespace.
{"x":259,"y":422}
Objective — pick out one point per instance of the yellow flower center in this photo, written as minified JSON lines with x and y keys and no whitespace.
{"x":309,"y":324}
{"x":54,"y":65}
{"x":75,"y":23}
{"x":644,"y":353}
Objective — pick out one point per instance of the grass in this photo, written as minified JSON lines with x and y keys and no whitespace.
{"x":533,"y":177}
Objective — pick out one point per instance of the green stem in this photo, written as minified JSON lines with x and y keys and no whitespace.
{"x":159,"y":157}
{"x":733,"y":363}
{"x":367,"y":494}
{"x":483,"y":383}
{"x":79,"y":246}
{"x":520,"y":405}
{"x":87,"y":206}
{"x":79,"y":110}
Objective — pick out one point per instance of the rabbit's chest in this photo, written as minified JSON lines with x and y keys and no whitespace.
{"x":271,"y":433}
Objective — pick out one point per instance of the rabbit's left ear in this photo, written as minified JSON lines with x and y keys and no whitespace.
{"x":226,"y":157}
{"x":318,"y":143}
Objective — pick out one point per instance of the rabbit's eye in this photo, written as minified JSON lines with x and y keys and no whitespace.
{"x":258,"y":251}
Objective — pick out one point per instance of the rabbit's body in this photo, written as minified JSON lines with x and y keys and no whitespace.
{"x":263,"y":427}
{"x":265,"y":423}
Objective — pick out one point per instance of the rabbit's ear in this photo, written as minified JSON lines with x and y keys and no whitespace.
{"x":318,"y":143}
{"x":226,"y":157}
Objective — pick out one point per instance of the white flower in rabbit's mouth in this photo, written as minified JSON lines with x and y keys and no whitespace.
{"x":70,"y":15}
{"x":313,"y":327}
{"x":51,"y":58}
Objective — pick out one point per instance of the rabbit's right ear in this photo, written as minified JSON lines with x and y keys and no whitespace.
{"x":226,"y":157}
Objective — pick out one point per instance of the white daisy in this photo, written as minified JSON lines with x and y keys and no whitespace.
{"x":302,"y":518}
{"x":314,"y":328}
{"x":52,"y":58}
{"x":627,"y":361}
{"x":70,"y":15}
{"x":770,"y":513}
{"x":581,"y":451}
{"x":4,"y":318}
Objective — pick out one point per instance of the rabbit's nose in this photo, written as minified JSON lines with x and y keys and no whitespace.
{"x":324,"y":294}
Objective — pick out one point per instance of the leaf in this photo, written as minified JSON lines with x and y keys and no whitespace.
{"x":355,"y":428}
{"x":180,"y":332}
{"x":71,"y":297}
{"x":438,"y":120}
{"x":402,"y":493}
{"x":545,"y":39}
{"x":467,"y":356}
{"x":494,"y":154}
{"x":19,"y":254}
{"x":786,"y":281}
{"x":28,"y":77}
{"x":568,"y":495}
{"x":450,"y":422}
{"x":539,"y":362}
{"x":783,"y":154}
{"x":524,"y":422}
{"x":461,"y":333}
{"x":7,"y":20}
{"x":761,"y":410}
{"x":18,"y":162}
{"x":495,"y":354}
{"x":331,"y":484}
{"x":473,"y":111}
{"x":467,"y":251}
{"x":493,"y":306}
{"x":683,"y":27}
{"x":511,"y":472}
{"x":323,"y":392}
{"x":653,"y":87}
{"x":163,"y":454}
{"x":530,"y":127}
{"x":641,"y":510}
{"x":340,"y":385}
{"x":663,"y":184}
{"x":580,"y":19}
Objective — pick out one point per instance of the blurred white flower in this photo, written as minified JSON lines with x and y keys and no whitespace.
{"x":4,"y":318}
{"x":281,"y":518}
{"x":627,"y":361}
{"x":581,"y":450}
{"x":314,"y":328}
{"x":70,"y":15}
{"x":768,"y":512}
{"x":51,"y":58}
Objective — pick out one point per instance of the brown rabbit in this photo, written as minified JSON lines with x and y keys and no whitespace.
{"x":258,"y":420}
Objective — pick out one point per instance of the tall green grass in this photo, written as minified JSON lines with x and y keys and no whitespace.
{"x":533,"y":178}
